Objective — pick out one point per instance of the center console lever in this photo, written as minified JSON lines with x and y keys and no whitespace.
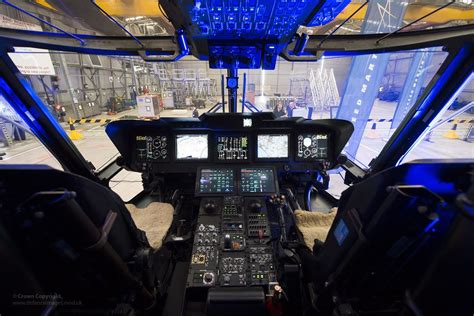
{"x":279,"y":201}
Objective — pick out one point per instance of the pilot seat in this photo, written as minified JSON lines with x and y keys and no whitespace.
{"x":77,"y":237}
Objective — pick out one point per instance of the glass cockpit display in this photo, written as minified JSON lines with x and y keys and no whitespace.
{"x":272,"y":146}
{"x":312,"y":146}
{"x":192,"y":146}
{"x":219,"y":180}
{"x":257,"y":180}
{"x":232,"y":148}
{"x":151,"y":148}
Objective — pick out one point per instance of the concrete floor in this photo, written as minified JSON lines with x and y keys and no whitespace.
{"x":98,"y":149}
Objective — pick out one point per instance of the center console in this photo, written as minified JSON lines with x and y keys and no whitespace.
{"x":232,"y":245}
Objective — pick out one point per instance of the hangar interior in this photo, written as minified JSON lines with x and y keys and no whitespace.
{"x":90,"y":86}
{"x":99,"y":99}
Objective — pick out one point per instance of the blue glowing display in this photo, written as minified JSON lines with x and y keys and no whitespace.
{"x":428,"y":175}
{"x":250,"y":33}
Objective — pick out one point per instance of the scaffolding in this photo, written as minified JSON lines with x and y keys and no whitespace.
{"x":185,"y":83}
{"x":299,"y":87}
{"x":12,"y":127}
{"x":323,"y":90}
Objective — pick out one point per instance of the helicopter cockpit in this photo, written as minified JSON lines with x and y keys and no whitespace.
{"x":235,"y":213}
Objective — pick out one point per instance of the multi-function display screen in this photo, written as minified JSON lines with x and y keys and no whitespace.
{"x":257,"y":180}
{"x":272,"y":146}
{"x":192,"y":146}
{"x":232,"y":148}
{"x":312,"y":146}
{"x":216,"y":181}
{"x":151,"y":148}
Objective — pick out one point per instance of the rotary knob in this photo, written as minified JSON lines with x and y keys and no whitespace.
{"x":210,"y":207}
{"x":208,"y":278}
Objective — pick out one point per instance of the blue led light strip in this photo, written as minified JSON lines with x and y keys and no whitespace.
{"x":183,"y":45}
{"x":83,"y":43}
{"x":118,"y":24}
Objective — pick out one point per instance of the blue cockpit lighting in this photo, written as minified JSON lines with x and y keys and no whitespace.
{"x":261,"y":28}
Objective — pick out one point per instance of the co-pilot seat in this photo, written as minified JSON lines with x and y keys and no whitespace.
{"x":78,"y":237}
{"x":389,"y":232}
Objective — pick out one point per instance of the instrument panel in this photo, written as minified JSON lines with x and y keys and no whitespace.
{"x":312,"y":146}
{"x":232,"y":148}
{"x":247,"y":181}
{"x":257,"y":180}
{"x":177,"y":144}
{"x":192,"y":146}
{"x":151,"y":148}
{"x":273,"y":146}
{"x":215,"y":180}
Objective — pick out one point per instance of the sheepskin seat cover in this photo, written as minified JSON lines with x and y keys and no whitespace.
{"x":155,"y":220}
{"x":314,"y":225}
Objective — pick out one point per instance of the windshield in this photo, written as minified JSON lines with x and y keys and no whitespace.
{"x":440,"y":14}
{"x":147,"y":17}
{"x":89,"y":91}
{"x":86,"y":92}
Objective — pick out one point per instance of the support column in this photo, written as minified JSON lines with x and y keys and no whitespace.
{"x":67,"y":80}
{"x":134,"y":75}
{"x":232,"y":88}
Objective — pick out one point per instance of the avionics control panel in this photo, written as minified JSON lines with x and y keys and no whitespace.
{"x":152,"y":148}
{"x":247,"y":181}
{"x":231,"y":244}
{"x":312,"y":146}
{"x":232,"y":241}
{"x":232,"y":148}
{"x":174,"y":145}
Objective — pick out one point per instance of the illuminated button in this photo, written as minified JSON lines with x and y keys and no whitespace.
{"x":218,"y":26}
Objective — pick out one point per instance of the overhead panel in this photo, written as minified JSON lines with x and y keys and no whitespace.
{"x":245,"y":33}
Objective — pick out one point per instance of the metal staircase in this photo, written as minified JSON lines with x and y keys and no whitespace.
{"x":5,"y":133}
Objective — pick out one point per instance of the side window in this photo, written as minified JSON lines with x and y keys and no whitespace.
{"x":452,"y":134}
{"x":18,"y":145}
